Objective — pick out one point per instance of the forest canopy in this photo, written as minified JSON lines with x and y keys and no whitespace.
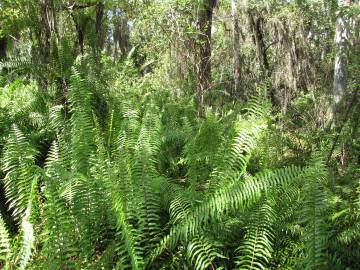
{"x":179,"y":134}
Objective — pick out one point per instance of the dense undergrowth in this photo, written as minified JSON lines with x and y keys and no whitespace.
{"x":122,"y":175}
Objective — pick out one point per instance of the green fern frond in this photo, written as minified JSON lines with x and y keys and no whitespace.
{"x":314,"y":214}
{"x":237,"y":156}
{"x":5,"y":242}
{"x":16,"y":63}
{"x":27,"y":230}
{"x":145,"y":180}
{"x":57,"y":118}
{"x":180,"y":205}
{"x":59,"y":248}
{"x":202,"y":252}
{"x":257,"y":107}
{"x":57,"y":163}
{"x":19,"y":166}
{"x":235,"y":196}
{"x":350,"y":234}
{"x":257,"y":246}
{"x":128,"y":235}
{"x":82,"y":127}
{"x":65,"y":56}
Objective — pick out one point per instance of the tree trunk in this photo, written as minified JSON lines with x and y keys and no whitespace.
{"x":45,"y":11}
{"x":99,"y":26}
{"x":3,"y":43}
{"x":256,"y":25}
{"x":80,"y":34}
{"x":236,"y":48}
{"x":340,"y":69}
{"x":121,"y":32}
{"x":204,"y":64}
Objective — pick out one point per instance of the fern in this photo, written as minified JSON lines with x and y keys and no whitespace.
{"x":126,"y":233}
{"x":257,"y":245}
{"x":19,"y":166}
{"x":27,"y":230}
{"x":314,"y":214}
{"x":235,"y":196}
{"x":202,"y":252}
{"x":81,"y":124}
{"x":59,"y":246}
{"x":5,"y":244}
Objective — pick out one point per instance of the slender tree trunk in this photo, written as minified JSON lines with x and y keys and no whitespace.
{"x":340,"y":69}
{"x":80,"y":34}
{"x":54,"y":26}
{"x":121,"y":33}
{"x":124,"y":35}
{"x":45,"y":11}
{"x":99,"y":26}
{"x":256,"y":25}
{"x":3,"y":43}
{"x":204,"y":39}
{"x":236,"y":48}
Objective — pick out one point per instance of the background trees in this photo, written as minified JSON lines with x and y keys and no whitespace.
{"x":179,"y":134}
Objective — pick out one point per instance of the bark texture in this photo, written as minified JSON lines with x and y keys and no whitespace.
{"x":236,"y":48}
{"x":204,"y":41}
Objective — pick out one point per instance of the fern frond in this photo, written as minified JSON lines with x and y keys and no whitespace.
{"x":19,"y":166}
{"x":257,"y":107}
{"x":256,"y":248}
{"x":59,"y":248}
{"x":145,"y":180}
{"x":87,"y":206}
{"x":82,"y":128}
{"x":65,"y":56}
{"x":127,"y":234}
{"x":5,"y":242}
{"x":56,"y":117}
{"x":202,"y":252}
{"x":237,"y":195}
{"x":180,"y":206}
{"x":239,"y":152}
{"x":128,"y":244}
{"x":350,"y":234}
{"x":27,"y":230}
{"x":315,"y":235}
{"x":16,"y":63}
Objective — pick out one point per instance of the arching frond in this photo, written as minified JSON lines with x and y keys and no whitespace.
{"x":202,"y":252}
{"x":235,"y":196}
{"x":27,"y":230}
{"x":5,"y":242}
{"x":82,"y":127}
{"x":257,"y":246}
{"x":19,"y":166}
{"x":314,"y":214}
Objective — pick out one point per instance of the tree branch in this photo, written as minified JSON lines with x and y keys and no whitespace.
{"x":74,"y":6}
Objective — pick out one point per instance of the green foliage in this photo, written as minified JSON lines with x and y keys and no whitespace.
{"x":314,"y":215}
{"x":105,"y":163}
{"x":20,"y":169}
{"x":257,"y":247}
{"x":103,"y":194}
{"x":5,"y":243}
